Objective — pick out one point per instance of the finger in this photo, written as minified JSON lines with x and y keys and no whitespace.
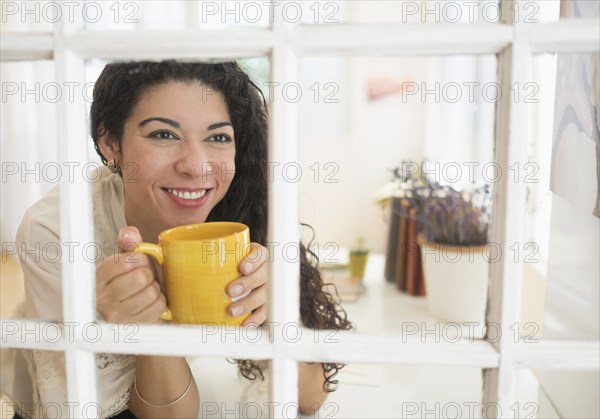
{"x":258,"y":273}
{"x":129,"y":284}
{"x":128,"y":238}
{"x":110,"y":299}
{"x":254,"y":300}
{"x":149,"y":314}
{"x":257,"y":318}
{"x":257,"y":256}
{"x":143,"y":299}
{"x":245,"y":284}
{"x":152,"y":312}
{"x":119,"y":264}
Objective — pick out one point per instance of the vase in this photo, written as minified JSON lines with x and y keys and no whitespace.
{"x":456,"y":279}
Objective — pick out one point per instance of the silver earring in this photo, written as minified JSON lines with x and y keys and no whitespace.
{"x":113,"y":166}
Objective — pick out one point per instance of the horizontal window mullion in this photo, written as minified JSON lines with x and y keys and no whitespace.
{"x":402,"y":39}
{"x":351,"y":347}
{"x":178,"y":340}
{"x":300,"y":344}
{"x":567,"y":35}
{"x":558,"y":354}
{"x":160,"y":44}
{"x":26,"y":46}
{"x":421,"y":39}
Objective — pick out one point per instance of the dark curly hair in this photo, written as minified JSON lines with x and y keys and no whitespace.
{"x":116,"y":93}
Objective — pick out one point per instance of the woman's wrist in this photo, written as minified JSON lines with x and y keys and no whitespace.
{"x":163,"y":387}
{"x":178,"y":399}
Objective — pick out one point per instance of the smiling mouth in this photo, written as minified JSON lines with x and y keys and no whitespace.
{"x":186,"y":194}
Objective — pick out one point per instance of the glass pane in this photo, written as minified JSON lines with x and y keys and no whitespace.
{"x":179,"y":14}
{"x":37,"y":16}
{"x":360,"y":119}
{"x":18,"y":396}
{"x":245,"y":13}
{"x":580,"y":9}
{"x":539,"y":11}
{"x":29,"y":155}
{"x":560,"y":254}
{"x":556,"y":394}
{"x":553,"y":10}
{"x":122,"y":16}
{"x":402,"y":11}
{"x":392,"y":391}
{"x":40,"y":16}
{"x":11,"y":281}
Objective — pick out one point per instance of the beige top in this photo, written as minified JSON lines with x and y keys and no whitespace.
{"x":35,"y":380}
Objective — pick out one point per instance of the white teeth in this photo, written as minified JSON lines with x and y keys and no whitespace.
{"x":187,"y":195}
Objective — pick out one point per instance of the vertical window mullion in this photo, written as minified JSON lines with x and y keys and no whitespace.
{"x":508,"y":218}
{"x":76,"y":226}
{"x":284,"y":229}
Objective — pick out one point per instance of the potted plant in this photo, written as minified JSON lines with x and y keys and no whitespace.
{"x":453,"y":240}
{"x":358,"y":258}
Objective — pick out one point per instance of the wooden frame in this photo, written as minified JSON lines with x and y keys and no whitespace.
{"x":515,"y":45}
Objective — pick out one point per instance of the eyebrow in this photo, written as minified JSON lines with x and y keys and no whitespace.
{"x":167,"y":121}
{"x":219,"y":125}
{"x":177,"y":125}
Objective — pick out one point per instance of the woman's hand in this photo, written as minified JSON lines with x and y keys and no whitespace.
{"x":253,"y":281}
{"x":126,"y":288}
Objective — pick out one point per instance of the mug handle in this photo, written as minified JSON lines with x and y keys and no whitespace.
{"x":156,"y":252}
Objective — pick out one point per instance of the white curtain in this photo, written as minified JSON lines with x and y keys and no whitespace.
{"x":28,"y":133}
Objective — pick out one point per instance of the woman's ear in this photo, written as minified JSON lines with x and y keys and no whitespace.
{"x":108,"y":144}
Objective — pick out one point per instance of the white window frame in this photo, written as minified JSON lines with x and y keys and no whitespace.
{"x":513,"y":43}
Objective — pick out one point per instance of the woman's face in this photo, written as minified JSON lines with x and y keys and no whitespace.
{"x":177,"y":156}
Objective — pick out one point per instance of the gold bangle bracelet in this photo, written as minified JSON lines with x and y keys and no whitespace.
{"x":163,"y":405}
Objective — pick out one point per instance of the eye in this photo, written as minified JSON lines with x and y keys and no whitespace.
{"x":220,"y":138}
{"x":163,"y":135}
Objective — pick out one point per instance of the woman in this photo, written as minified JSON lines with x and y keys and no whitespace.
{"x":185,"y":143}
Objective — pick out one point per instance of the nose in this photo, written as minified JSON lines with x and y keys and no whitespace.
{"x":192,"y":160}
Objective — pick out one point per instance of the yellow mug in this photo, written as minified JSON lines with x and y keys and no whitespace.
{"x":199,"y":262}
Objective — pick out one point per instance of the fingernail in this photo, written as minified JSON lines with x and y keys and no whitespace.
{"x":237,"y":310}
{"x":248,"y":267}
{"x":235,"y":290}
{"x":127,"y":235}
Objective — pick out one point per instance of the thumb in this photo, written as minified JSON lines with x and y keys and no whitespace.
{"x":129,"y":237}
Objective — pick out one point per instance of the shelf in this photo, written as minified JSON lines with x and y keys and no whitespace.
{"x":383,"y":308}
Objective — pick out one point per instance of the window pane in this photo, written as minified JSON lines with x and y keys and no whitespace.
{"x":579,"y":9}
{"x":122,"y":16}
{"x":18,"y":396}
{"x":553,"y":10}
{"x":37,"y":16}
{"x":403,"y":11}
{"x":556,"y":393}
{"x":560,"y":253}
{"x":180,"y":15}
{"x":29,"y":162}
{"x":361,"y":118}
{"x":385,"y":391}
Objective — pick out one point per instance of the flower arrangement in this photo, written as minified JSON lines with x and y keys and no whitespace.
{"x":446,"y":215}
